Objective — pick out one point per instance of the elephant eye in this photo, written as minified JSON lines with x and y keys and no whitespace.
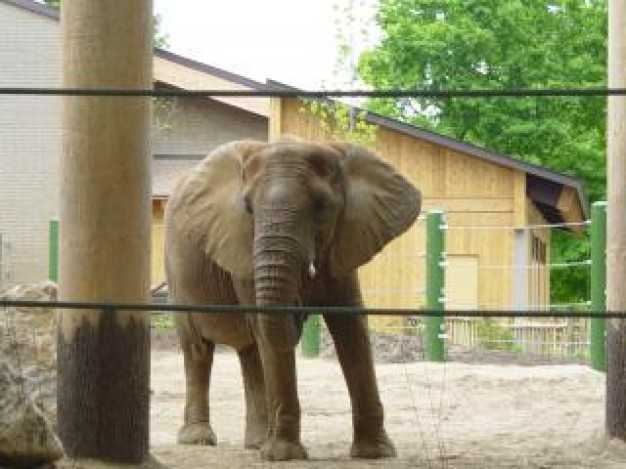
{"x":318,"y":206}
{"x":247,"y":204}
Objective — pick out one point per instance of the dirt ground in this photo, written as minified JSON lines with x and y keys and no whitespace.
{"x":440,"y":415}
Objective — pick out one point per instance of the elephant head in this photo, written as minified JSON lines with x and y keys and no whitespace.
{"x":270,"y":211}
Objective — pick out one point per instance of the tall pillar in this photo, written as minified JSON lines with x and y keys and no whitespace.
{"x":616,"y":225}
{"x":104,"y":239}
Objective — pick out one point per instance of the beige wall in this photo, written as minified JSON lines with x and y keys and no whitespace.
{"x":538,"y":258}
{"x":158,"y":237}
{"x":198,"y":125}
{"x":30,"y":136}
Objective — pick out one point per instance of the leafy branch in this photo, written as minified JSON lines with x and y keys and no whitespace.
{"x":339,"y":121}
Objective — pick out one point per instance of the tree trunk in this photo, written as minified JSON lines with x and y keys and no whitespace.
{"x":103,"y":357}
{"x":616,"y":225}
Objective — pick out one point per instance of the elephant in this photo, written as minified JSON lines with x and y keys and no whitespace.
{"x":282,"y":223}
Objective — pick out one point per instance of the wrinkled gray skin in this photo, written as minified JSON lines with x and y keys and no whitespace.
{"x":245,"y":227}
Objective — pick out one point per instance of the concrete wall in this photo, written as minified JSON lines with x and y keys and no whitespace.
{"x":194,"y":126}
{"x":30,"y":141}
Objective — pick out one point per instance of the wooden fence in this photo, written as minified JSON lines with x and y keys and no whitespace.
{"x":563,"y":338}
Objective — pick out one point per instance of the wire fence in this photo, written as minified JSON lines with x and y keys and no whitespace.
{"x":394,"y":287}
{"x":340,"y":310}
{"x":269,"y":91}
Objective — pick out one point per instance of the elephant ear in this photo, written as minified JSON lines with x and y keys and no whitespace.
{"x":215,"y":212}
{"x":380,"y":205}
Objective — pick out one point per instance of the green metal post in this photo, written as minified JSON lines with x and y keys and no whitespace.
{"x":53,"y":250}
{"x":311,"y":337}
{"x":598,"y":285}
{"x":435,"y":283}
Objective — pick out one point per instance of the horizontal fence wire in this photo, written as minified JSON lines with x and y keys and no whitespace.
{"x":556,"y":265}
{"x":394,"y":291}
{"x":534,"y":307}
{"x":385,"y":255}
{"x":523,"y":227}
{"x":279,"y":92}
{"x":230,"y":308}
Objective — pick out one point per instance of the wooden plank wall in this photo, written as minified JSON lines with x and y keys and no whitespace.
{"x":473,"y":193}
{"x":539,"y":272}
{"x":158,"y":242}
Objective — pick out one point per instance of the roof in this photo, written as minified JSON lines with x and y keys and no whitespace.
{"x":543,"y":185}
{"x":35,"y":7}
{"x":186,"y":74}
{"x":211,"y":70}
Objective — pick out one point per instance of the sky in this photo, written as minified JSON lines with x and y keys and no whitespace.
{"x":291,"y":41}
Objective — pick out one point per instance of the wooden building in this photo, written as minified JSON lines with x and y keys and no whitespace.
{"x":496,"y":209}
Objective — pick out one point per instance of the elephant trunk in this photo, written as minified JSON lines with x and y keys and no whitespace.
{"x":278,"y":261}
{"x":279,"y":256}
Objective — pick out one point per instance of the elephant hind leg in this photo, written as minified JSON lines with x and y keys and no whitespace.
{"x":254,"y":388}
{"x":196,"y":429}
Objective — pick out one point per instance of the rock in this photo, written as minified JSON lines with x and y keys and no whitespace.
{"x":28,"y":341}
{"x":28,"y":379}
{"x":26,"y":436}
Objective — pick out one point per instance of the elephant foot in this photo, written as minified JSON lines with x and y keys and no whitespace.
{"x":274,"y":449}
{"x":256,"y":434}
{"x":373,"y":448}
{"x":197,"y":433}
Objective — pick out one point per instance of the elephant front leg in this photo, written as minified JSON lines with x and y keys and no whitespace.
{"x":254,"y":388}
{"x":283,"y":409}
{"x":354,"y":352}
{"x":283,"y":442}
{"x":196,"y":429}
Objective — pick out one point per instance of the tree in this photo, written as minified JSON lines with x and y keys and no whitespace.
{"x":473,"y":44}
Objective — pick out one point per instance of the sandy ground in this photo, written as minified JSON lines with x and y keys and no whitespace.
{"x":450,"y":415}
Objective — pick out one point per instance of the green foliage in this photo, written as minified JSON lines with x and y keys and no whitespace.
{"x":164,"y":113}
{"x":341,"y":122}
{"x":162,"y":321}
{"x":159,"y":39}
{"x":571,"y":285}
{"x":495,"y":336}
{"x":351,"y":18}
{"x":474,"y":44}
{"x":414,"y":326}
